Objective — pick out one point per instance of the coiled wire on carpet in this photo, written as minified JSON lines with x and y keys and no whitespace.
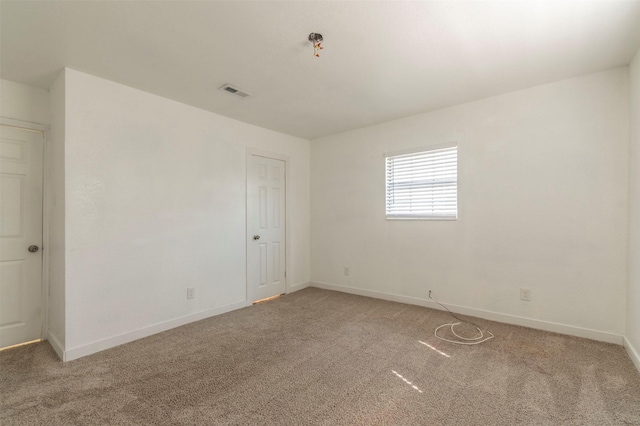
{"x":464,"y":340}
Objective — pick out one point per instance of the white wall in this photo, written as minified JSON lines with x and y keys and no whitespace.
{"x":633,"y":293}
{"x":155,"y":203}
{"x":56,"y":209}
{"x":24,"y":103}
{"x":542,"y":204}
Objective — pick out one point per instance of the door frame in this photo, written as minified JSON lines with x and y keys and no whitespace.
{"x":287,"y":214}
{"x":44,"y":129}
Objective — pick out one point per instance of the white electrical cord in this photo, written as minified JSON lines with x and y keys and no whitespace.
{"x":465,"y":340}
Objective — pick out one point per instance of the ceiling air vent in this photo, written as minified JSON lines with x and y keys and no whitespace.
{"x":235,"y":91}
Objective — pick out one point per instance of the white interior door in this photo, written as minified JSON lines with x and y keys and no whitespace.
{"x":265,"y":227}
{"x":20,"y":235}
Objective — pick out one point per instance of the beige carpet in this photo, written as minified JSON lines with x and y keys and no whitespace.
{"x":322,"y":357}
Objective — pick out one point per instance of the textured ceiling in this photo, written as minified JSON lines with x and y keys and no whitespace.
{"x":382,"y":60}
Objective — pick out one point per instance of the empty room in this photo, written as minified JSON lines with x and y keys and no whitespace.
{"x":320,"y":212}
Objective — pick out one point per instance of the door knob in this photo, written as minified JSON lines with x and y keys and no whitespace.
{"x":256,"y":237}
{"x":33,"y":249}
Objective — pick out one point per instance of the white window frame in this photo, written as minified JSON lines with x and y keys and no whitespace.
{"x":403,"y":210}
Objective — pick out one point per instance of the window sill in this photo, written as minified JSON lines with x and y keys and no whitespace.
{"x":422,"y":218}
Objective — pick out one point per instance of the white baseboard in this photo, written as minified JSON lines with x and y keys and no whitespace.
{"x":492,"y":316}
{"x":111,"y":342}
{"x":54,"y":341}
{"x":633,"y":353}
{"x":299,"y":286}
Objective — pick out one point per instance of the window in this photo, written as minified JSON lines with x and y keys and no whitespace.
{"x":423,"y":184}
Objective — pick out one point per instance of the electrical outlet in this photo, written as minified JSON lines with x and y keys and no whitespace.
{"x":525,"y":294}
{"x":347,"y":271}
{"x":191,"y":293}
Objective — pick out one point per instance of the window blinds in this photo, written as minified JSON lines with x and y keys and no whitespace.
{"x":423,"y":185}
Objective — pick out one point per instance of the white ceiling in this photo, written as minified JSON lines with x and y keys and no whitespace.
{"x":382,"y":60}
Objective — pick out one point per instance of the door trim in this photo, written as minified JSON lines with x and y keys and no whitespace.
{"x":287,"y":213}
{"x":44,"y":129}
